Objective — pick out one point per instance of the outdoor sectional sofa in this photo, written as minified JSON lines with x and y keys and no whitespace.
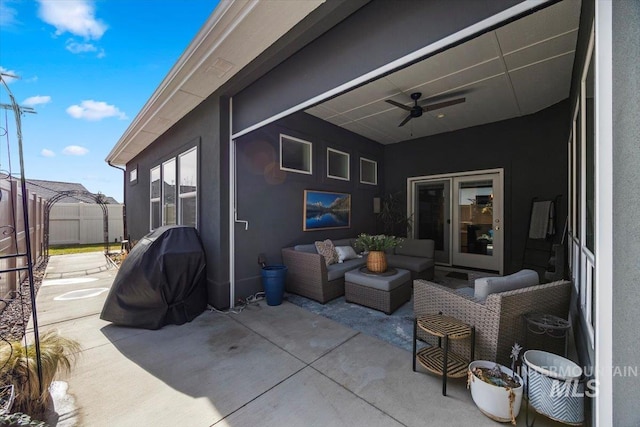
{"x":309,"y":276}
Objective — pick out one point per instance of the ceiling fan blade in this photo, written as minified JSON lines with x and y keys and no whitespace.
{"x":397,"y":104}
{"x":443,"y":104}
{"x":406,"y":119}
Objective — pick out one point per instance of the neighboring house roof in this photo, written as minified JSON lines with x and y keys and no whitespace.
{"x":235,"y":34}
{"x":49,"y":189}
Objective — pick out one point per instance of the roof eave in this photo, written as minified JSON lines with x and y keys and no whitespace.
{"x":235,"y":34}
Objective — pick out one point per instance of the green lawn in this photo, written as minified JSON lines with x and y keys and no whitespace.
{"x":77,"y":249}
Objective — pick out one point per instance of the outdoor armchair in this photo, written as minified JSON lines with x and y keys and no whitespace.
{"x":498,"y":320}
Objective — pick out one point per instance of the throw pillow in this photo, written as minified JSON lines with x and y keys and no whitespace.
{"x":345,"y":253}
{"x":328,"y":251}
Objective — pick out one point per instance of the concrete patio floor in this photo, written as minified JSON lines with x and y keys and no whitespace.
{"x":267,"y":366}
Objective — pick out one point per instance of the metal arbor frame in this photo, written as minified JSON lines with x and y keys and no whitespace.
{"x":98,"y":198}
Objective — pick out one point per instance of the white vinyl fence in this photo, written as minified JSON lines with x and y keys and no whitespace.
{"x":81,"y":223}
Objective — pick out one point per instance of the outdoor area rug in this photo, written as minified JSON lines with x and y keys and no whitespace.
{"x":396,"y":329}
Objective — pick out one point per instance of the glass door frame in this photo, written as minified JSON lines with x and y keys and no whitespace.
{"x":413,"y":182}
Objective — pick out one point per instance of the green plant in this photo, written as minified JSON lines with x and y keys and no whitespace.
{"x":392,"y":215}
{"x":378,"y":242}
{"x":19,"y":419}
{"x":19,"y":367}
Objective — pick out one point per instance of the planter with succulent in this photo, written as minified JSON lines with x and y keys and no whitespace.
{"x":19,"y":368}
{"x":496,"y":389}
{"x":375,"y":245}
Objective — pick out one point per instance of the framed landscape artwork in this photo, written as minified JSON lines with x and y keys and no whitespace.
{"x":325,"y":210}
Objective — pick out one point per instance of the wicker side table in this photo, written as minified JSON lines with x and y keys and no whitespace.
{"x":440,"y":360}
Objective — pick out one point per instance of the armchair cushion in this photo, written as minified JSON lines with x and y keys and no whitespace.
{"x":489,"y":285}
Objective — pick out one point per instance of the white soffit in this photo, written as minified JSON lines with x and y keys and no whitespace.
{"x":518,"y":69}
{"x":233,"y":36}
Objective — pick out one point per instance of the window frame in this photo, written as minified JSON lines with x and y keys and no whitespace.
{"x":190,"y":194}
{"x":375,"y":171}
{"x":152,"y":199}
{"x":162,"y":191}
{"x":348,"y":161}
{"x":310,"y":160}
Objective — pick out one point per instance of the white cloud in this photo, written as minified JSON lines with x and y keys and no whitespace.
{"x":47,"y":153}
{"x":6,"y":78}
{"x":7,"y":15}
{"x":36,"y":100}
{"x":75,"y":47}
{"x":74,"y":150}
{"x":95,"y":110}
{"x":73,"y":16}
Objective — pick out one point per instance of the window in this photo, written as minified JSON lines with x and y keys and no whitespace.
{"x":188,"y":187}
{"x":368,"y":171}
{"x":337,"y":164}
{"x":169,"y":192}
{"x":154,"y":191}
{"x":295,"y":155}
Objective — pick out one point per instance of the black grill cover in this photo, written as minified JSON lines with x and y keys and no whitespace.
{"x":161,"y":282}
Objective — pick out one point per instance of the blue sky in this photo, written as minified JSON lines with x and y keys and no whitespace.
{"x":87,"y":68}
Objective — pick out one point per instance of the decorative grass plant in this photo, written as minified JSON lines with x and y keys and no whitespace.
{"x":19,"y":367}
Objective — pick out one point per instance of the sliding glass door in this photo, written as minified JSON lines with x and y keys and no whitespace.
{"x":462,"y":213}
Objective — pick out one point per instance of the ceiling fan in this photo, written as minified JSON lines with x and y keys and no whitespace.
{"x":417,"y":110}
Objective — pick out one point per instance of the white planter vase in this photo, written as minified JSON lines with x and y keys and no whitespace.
{"x":493,"y":401}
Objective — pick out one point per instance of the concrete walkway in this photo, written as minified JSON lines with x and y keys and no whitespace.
{"x":267,"y":366}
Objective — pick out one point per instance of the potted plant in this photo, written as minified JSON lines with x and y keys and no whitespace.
{"x":392,"y":215}
{"x":375,"y":245}
{"x":20,"y":369}
{"x":496,"y":389}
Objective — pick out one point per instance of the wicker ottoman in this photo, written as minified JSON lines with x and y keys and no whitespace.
{"x":380,"y":292}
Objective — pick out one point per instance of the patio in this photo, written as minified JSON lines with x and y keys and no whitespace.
{"x":270,"y":366}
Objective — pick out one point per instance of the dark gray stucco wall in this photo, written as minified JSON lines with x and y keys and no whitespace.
{"x":272,"y":200}
{"x":532,"y":150}
{"x":206,"y":127}
{"x":378,"y":33}
{"x":626,"y":216}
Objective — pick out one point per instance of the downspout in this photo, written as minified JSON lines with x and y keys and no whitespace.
{"x":124,"y":200}
{"x":233,"y":209}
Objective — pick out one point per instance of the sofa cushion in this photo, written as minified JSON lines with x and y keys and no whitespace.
{"x":328,"y":251}
{"x":310,"y":248}
{"x":345,"y":253}
{"x":412,"y":263}
{"x":336,"y":271}
{"x":416,"y":247}
{"x":490,"y":285}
